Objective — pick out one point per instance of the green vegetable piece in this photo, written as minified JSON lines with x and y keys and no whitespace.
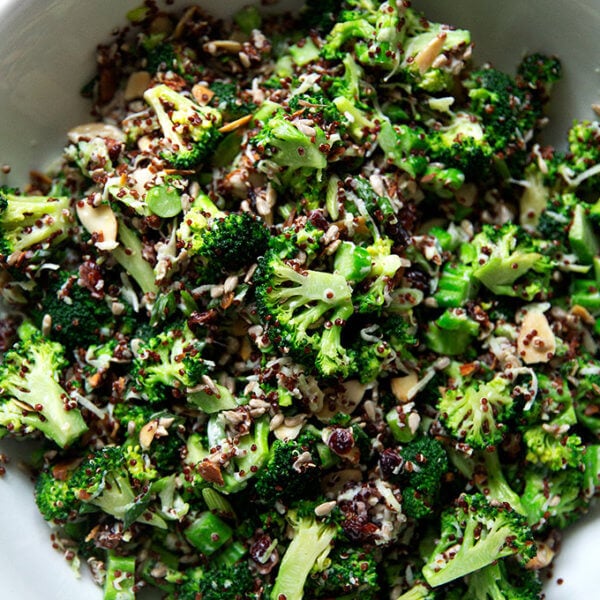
{"x":304,"y":53}
{"x":120,"y":577}
{"x":352,"y":262}
{"x":582,"y":238}
{"x":164,"y":201}
{"x":247,"y":19}
{"x":208,"y":533}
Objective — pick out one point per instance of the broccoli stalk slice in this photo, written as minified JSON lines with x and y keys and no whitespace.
{"x":26,"y":221}
{"x":476,"y":534}
{"x":312,"y":542}
{"x":456,"y":286}
{"x":190,"y":130}
{"x":419,"y":591}
{"x":129,"y":254}
{"x":120,"y":577}
{"x":31,"y":397}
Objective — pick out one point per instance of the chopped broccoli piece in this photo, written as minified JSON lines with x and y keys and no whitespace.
{"x":312,"y":541}
{"x":190,"y":131}
{"x":476,"y":412}
{"x":296,"y":303}
{"x":475,"y":534}
{"x":32,"y":398}
{"x":28,"y":222}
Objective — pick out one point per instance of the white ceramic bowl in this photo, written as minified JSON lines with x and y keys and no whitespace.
{"x":47,"y":53}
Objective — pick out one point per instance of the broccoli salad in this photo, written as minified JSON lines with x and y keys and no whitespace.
{"x":307,"y":310}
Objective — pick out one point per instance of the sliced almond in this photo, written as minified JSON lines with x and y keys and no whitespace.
{"x":402,"y":387}
{"x":147,"y":433}
{"x":137,"y":84}
{"x":98,"y":129}
{"x":229,"y":46}
{"x":236,"y":124}
{"x":536,"y":342}
{"x":99,"y":220}
{"x":544,"y":556}
{"x":424,"y":59}
{"x":210,"y":471}
{"x":583,"y":314}
{"x":202,"y":94}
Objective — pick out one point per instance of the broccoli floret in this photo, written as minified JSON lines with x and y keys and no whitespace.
{"x":424,"y":42}
{"x":320,"y":14}
{"x":171,"y":362}
{"x":425,"y":464}
{"x":556,"y":218}
{"x":405,"y":147}
{"x":419,"y":591}
{"x":581,"y":169}
{"x":508,"y":263}
{"x":539,"y":71}
{"x":120,"y":577}
{"x":503,"y":581}
{"x":351,"y":572}
{"x":283,"y":143}
{"x":227,"y":100}
{"x":190,"y":131}
{"x":549,"y":445}
{"x":306,"y":312}
{"x":462,"y":144}
{"x":484,"y":469}
{"x":227,"y":241}
{"x":476,"y":412}
{"x":552,"y":498}
{"x":29,"y":222}
{"x":243,"y":455}
{"x":373,"y":295}
{"x":103,"y":480}
{"x":283,"y":478}
{"x":508,"y":113}
{"x":77,"y":318}
{"x":311,"y":542}
{"x":32,"y":398}
{"x":55,"y":498}
{"x":475,"y":534}
{"x":586,"y":371}
{"x":219,"y":583}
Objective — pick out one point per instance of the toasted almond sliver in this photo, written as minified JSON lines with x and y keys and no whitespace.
{"x":137,"y":84}
{"x":235,"y":124}
{"x":202,"y":94}
{"x":147,"y":433}
{"x":100,"y":220}
{"x":92,"y":130}
{"x":536,"y":342}
{"x":424,"y":59}
{"x":401,"y":386}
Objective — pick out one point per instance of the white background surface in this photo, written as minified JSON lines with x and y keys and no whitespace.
{"x":47,"y":53}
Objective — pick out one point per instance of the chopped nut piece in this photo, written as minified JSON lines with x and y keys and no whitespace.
{"x":402,"y":386}
{"x":137,"y":84}
{"x":202,"y":94}
{"x":235,"y":124}
{"x":147,"y":433}
{"x":99,"y":220}
{"x":93,"y":130}
{"x":424,"y":59}
{"x":536,"y":342}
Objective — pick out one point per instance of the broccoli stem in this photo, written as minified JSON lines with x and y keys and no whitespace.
{"x":129,"y":256}
{"x":120,"y":577}
{"x":311,"y":540}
